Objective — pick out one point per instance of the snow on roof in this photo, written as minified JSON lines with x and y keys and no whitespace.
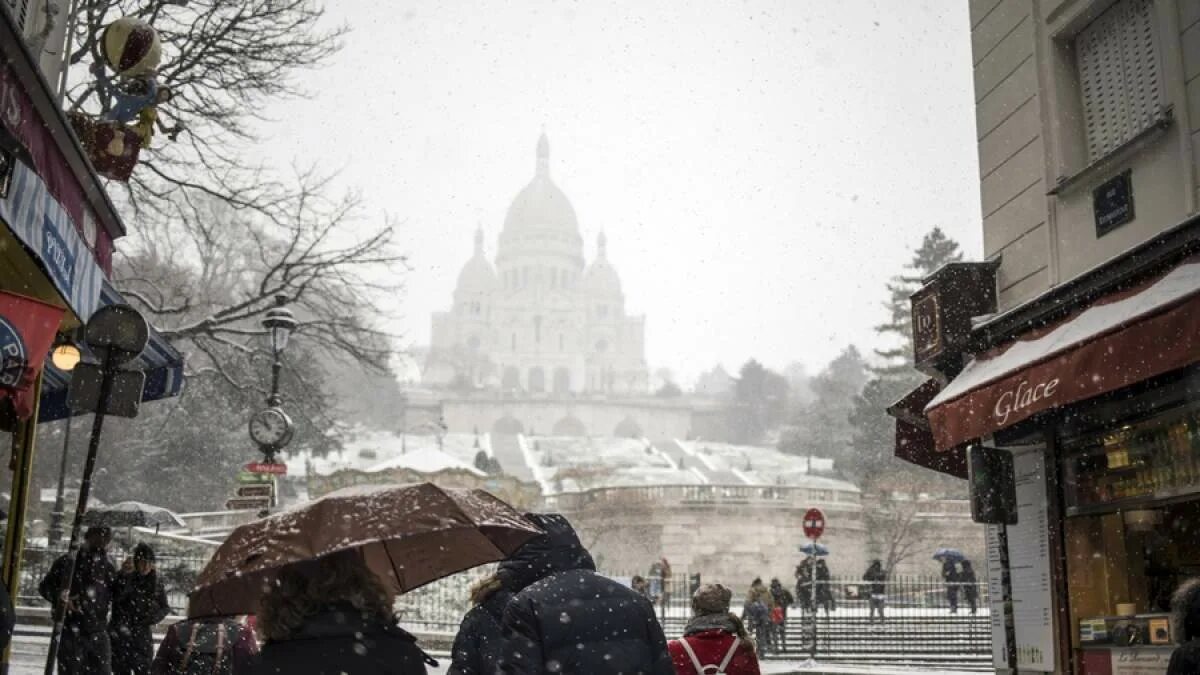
{"x":425,"y":460}
{"x":564,"y":464}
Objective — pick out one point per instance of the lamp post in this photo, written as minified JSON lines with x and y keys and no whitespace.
{"x":280,"y":322}
{"x":65,"y":357}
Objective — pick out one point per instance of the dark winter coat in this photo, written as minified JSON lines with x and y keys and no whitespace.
{"x":1185,"y":610}
{"x":711,"y":638}
{"x":783,"y":597}
{"x":139,"y":601}
{"x":91,"y":589}
{"x":568,"y":620}
{"x":480,"y":640}
{"x":875,"y":577}
{"x":340,"y":641}
{"x":8,"y":617}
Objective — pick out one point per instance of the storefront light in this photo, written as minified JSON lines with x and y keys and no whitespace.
{"x":65,"y":357}
{"x":1142,"y":520}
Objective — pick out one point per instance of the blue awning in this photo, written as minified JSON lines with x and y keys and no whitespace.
{"x":162,"y":364}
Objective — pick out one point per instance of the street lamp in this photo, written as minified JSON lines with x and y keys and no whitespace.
{"x":280,"y":322}
{"x":271,"y":428}
{"x":65,"y":356}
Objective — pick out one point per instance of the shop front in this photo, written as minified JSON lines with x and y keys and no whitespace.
{"x":1094,"y":389}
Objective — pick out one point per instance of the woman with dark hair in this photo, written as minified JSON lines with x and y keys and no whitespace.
{"x":333,"y":616}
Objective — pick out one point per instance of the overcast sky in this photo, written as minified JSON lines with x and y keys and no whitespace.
{"x":760,"y":168}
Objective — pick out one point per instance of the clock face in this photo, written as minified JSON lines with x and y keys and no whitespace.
{"x":270,"y":427}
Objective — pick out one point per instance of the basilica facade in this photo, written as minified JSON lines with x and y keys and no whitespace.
{"x":539,"y":319}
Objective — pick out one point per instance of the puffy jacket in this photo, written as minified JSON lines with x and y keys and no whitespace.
{"x":710,"y":647}
{"x":568,"y":620}
{"x":91,"y":589}
{"x":138,"y":600}
{"x":480,"y":640}
{"x":338,"y":641}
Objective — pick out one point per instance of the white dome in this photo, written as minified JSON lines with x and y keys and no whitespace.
{"x":601,"y":277}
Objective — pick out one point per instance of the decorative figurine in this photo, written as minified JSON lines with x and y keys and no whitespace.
{"x":132,"y":50}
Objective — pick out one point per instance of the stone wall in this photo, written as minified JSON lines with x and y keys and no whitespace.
{"x":569,"y":416}
{"x":732,"y":541}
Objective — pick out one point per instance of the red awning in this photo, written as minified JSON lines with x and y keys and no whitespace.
{"x":914,"y":440}
{"x":1115,"y":342}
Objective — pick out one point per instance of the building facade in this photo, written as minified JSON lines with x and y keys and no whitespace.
{"x":1072,"y":351}
{"x":539,"y":319}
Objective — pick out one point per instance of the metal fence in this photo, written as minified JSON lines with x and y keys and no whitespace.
{"x":920,"y":625}
{"x":178,"y":574}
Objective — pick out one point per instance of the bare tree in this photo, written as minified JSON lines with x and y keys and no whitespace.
{"x":895,"y":529}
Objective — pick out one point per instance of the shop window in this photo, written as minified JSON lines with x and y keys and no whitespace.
{"x":1119,"y":77}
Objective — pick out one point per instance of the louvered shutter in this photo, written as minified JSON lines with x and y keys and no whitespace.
{"x":1118,"y":75}
{"x":17,"y":9}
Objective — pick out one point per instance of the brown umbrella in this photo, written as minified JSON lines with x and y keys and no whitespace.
{"x":410,"y":535}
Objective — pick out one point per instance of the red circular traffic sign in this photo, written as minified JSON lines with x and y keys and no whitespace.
{"x":814,"y":524}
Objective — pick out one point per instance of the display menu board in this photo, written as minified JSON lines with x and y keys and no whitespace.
{"x":1029,"y":561}
{"x":996,"y":598}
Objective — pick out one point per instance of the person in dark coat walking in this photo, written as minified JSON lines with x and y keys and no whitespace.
{"x":84,"y":647}
{"x":1185,"y":624}
{"x":875,"y":576}
{"x":480,"y":641}
{"x":970,"y":589}
{"x":783,"y":600}
{"x":332,"y":616}
{"x":139,"y":603}
{"x":950,"y":576}
{"x":566,"y":619}
{"x":804,"y":584}
{"x":825,"y":588}
{"x":714,"y":640}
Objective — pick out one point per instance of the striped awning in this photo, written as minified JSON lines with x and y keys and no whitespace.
{"x":162,"y":364}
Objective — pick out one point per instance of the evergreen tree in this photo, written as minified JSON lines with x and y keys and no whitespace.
{"x":936,"y":249}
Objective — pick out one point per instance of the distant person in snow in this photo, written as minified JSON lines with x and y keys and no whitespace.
{"x":779,"y":615}
{"x":714,"y":640}
{"x":970,"y":586}
{"x":950,"y":576}
{"x":875,"y":578}
{"x":139,"y":603}
{"x":824,"y":588}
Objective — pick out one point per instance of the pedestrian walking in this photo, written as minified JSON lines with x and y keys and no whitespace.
{"x":639,"y":584}
{"x":480,"y":640}
{"x":206,"y":646}
{"x":804,"y":584}
{"x":779,"y":616}
{"x":332,"y":616}
{"x":970,"y":586}
{"x":714,"y":640}
{"x":824,"y":590}
{"x":950,"y":576}
{"x":875,"y":578}
{"x":1185,"y":626}
{"x":758,"y":614}
{"x":139,"y":603}
{"x":84,"y":647}
{"x":564,"y":618}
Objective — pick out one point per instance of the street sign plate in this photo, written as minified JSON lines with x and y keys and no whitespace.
{"x":255,"y":491}
{"x":814,"y":524}
{"x":125,"y":395}
{"x":263,"y":467}
{"x":245,"y":503}
{"x":245,"y":477}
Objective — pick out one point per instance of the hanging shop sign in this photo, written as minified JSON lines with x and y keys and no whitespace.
{"x":27,"y":329}
{"x":942,"y":311}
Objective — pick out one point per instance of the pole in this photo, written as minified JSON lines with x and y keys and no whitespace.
{"x":85,"y":487}
{"x":812,"y":571}
{"x":276,"y":368}
{"x":25,"y":441}
{"x":56,"y":518}
{"x":1010,"y":634}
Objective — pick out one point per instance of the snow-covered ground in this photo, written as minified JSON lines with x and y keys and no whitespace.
{"x":370,"y":451}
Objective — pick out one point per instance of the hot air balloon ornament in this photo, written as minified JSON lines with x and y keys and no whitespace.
{"x":132,"y":50}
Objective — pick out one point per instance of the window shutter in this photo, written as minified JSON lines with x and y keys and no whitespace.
{"x":17,"y":9}
{"x":1118,"y":75}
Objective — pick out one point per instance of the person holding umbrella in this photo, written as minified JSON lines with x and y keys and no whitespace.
{"x":333,"y":616}
{"x":949,"y":557}
{"x":139,"y":603}
{"x":969,"y":585}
